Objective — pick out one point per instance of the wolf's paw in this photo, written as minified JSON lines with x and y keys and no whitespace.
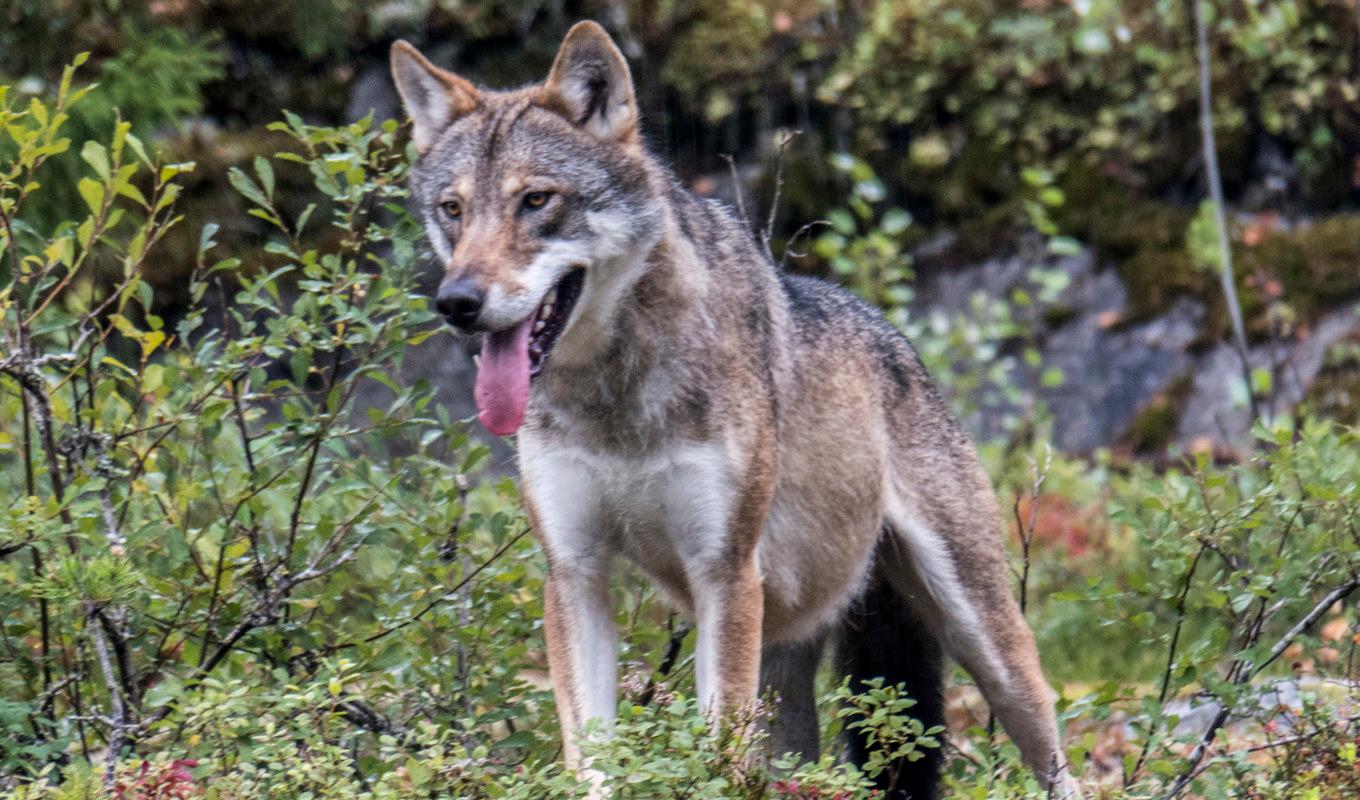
{"x":596,"y":779}
{"x":1063,"y":786}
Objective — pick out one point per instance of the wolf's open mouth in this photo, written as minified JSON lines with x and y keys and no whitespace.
{"x":551,"y":318}
{"x":512,"y":357}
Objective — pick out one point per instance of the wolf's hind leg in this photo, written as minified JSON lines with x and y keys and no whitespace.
{"x":962,"y":587}
{"x":882,"y":638}
{"x":788,"y":676}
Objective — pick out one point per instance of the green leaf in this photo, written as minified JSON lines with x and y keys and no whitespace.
{"x":841,"y":221}
{"x":94,"y":154}
{"x":205,"y":238}
{"x":1201,"y":238}
{"x":170,"y":171}
{"x":895,"y":221}
{"x":266,"y":173}
{"x":242,"y":183}
{"x":132,"y":193}
{"x":92,"y":192}
{"x":138,"y":149}
{"x":1064,"y":246}
{"x":1261,"y":381}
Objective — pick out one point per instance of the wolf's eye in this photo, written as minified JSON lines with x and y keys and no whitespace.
{"x":451,"y":208}
{"x":536,"y":199}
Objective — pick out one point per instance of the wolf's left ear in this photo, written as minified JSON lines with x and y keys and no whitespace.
{"x":433,"y":97}
{"x":590,"y":84}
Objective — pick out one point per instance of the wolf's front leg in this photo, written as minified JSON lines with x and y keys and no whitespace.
{"x":563,"y":505}
{"x":716,"y":512}
{"x":583,"y":648}
{"x":728,"y":606}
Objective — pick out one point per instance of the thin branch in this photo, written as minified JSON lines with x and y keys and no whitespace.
{"x":119,"y":723}
{"x":1172,"y":649}
{"x":1206,"y":124}
{"x":768,"y":234}
{"x":1248,"y":672}
{"x":1339,"y":593}
{"x":736,"y":188}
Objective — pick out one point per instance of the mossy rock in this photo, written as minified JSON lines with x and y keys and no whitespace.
{"x":1311,"y":268}
{"x":1317,"y":265}
{"x":1145,"y":240}
{"x":1336,"y":391}
{"x":1153,"y":428}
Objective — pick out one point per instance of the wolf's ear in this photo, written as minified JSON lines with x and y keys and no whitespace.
{"x":433,"y":97}
{"x":590,"y":84}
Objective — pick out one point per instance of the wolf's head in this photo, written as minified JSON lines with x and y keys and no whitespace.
{"x":537,"y":200}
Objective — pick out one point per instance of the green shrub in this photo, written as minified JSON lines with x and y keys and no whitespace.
{"x":194,"y":500}
{"x":986,"y":91}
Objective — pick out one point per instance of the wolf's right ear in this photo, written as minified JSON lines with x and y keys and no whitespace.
{"x":590,"y":84}
{"x":433,"y":97}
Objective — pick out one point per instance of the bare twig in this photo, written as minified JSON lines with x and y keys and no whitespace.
{"x":1206,"y":124}
{"x":768,"y":234}
{"x":736,"y":188}
{"x":1038,"y":475}
{"x":798,"y":234}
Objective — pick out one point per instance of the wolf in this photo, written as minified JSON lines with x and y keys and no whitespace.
{"x":767,"y":448}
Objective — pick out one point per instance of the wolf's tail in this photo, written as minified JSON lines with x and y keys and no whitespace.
{"x":882,"y":638}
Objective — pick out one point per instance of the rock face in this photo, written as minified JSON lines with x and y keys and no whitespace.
{"x":1115,"y":370}
{"x":1111,"y":374}
{"x":1213,"y":413}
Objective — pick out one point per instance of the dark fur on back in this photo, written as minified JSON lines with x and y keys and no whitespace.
{"x":881,"y":638}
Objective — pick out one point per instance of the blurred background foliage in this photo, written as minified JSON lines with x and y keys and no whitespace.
{"x":950,"y":101}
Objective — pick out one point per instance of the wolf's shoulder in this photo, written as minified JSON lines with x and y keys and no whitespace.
{"x":830,"y":320}
{"x":708,"y":221}
{"x":816,"y":303}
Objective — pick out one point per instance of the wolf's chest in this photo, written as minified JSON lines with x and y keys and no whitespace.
{"x":668,"y":511}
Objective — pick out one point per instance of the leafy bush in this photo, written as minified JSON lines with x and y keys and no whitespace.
{"x":196,"y":499}
{"x":891,"y":735}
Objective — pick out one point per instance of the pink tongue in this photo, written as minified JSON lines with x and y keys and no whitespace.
{"x":502,"y":388}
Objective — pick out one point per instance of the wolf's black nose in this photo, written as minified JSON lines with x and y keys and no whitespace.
{"x":460,"y":302}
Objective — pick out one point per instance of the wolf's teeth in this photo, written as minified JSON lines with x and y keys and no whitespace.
{"x":477,"y":360}
{"x":546,"y":311}
{"x":539,"y":325}
{"x":552,"y":297}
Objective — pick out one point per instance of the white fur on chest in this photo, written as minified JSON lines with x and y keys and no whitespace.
{"x":669,"y":511}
